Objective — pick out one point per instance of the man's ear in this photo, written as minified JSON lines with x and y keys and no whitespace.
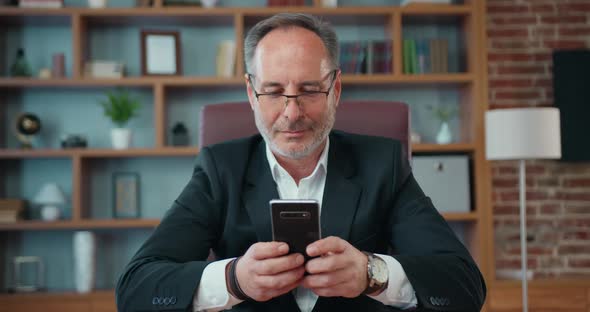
{"x":250,"y":92}
{"x":337,"y":87}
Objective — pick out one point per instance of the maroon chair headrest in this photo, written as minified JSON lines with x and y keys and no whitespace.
{"x":227,"y":121}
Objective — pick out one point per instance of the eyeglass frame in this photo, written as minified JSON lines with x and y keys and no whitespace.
{"x":334,"y":72}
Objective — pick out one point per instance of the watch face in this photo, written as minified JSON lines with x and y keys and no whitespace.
{"x":379,"y":270}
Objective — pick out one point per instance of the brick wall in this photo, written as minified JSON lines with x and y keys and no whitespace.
{"x":521,"y":36}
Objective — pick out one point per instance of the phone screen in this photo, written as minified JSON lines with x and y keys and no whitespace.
{"x":295,"y":222}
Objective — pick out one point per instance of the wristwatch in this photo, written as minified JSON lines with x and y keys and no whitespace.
{"x":377,"y":274}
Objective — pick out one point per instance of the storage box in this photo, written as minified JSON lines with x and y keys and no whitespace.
{"x":446,"y":180}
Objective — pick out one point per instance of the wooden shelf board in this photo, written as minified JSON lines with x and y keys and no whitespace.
{"x":443,"y":148}
{"x":80,"y":225}
{"x":127,"y":81}
{"x":139,"y":152}
{"x":202,"y":81}
{"x":61,"y":295}
{"x":459,"y":78}
{"x":434,"y":9}
{"x":183,"y":151}
{"x":542,"y":283}
{"x":140,"y":223}
{"x":98,"y":153}
{"x":460,"y":216}
{"x":188,"y":81}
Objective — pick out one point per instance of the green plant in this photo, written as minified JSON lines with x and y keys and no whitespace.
{"x":120,"y":107}
{"x":444,"y":114}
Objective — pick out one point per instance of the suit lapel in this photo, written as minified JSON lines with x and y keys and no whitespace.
{"x":341,"y":193}
{"x":260,"y":188}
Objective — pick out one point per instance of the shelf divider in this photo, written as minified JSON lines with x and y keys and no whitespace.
{"x":77,"y":188}
{"x":79,"y":45}
{"x":239,"y":42}
{"x":160,"y":115}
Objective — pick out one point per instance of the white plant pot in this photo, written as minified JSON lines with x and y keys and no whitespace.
{"x":84,"y":260}
{"x":97,"y":4}
{"x":444,"y":135}
{"x":121,"y":138}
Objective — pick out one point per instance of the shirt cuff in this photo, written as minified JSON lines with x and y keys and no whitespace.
{"x":212,"y":294}
{"x":399,"y":292}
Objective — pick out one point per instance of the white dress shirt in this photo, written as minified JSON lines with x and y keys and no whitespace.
{"x":212,"y":294}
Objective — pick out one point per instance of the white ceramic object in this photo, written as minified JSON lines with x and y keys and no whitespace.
{"x":121,"y":138}
{"x":97,"y":4}
{"x":444,"y":135}
{"x":329,"y":3}
{"x":209,"y":3}
{"x":84,"y":261}
{"x":50,"y":213}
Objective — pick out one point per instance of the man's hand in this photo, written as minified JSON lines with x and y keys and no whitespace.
{"x":341,"y":271}
{"x":266,"y":271}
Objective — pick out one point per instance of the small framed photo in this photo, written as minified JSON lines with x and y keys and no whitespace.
{"x":125,"y":195}
{"x":160,"y":53}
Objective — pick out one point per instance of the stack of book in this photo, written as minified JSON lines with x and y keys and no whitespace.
{"x":366,"y":57}
{"x":42,"y":4}
{"x":424,"y":56}
{"x":11,"y":210}
{"x":104,"y":69}
{"x":286,"y":2}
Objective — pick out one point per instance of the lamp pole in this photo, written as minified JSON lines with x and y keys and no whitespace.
{"x":523,"y":236}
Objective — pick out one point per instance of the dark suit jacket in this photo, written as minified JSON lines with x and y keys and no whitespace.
{"x":370,"y":199}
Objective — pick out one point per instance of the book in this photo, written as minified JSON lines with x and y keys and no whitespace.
{"x":225,"y":60}
{"x":444,"y":55}
{"x":41,"y":4}
{"x":104,"y":69}
{"x":434,"y":56}
{"x":11,"y":210}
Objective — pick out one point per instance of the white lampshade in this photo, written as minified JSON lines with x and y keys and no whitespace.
{"x":50,"y":194}
{"x":523,"y":133}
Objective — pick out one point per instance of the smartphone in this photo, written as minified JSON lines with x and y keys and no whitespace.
{"x":295,"y":222}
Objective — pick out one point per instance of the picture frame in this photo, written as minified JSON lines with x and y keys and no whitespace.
{"x":125,"y":195}
{"x":160,"y":53}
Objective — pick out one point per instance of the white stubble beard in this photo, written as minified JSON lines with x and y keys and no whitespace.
{"x":319,"y":135}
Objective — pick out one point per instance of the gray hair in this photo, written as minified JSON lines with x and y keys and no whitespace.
{"x":287,"y":20}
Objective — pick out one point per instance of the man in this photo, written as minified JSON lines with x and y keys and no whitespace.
{"x":368,"y":197}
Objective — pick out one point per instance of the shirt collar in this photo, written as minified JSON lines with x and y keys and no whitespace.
{"x":276,"y":168}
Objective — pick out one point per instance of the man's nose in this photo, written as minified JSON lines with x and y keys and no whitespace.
{"x":292,"y":110}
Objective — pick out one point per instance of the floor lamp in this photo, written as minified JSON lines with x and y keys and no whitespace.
{"x":521,"y":134}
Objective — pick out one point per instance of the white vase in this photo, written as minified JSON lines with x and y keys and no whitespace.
{"x":329,"y":3}
{"x":444,"y":135}
{"x":121,"y":138}
{"x":84,"y":261}
{"x":209,"y":3}
{"x":97,"y":4}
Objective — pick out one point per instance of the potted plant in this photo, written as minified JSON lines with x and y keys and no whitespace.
{"x":120,"y":107}
{"x":444,"y":114}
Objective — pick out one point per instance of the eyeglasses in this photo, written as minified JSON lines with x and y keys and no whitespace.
{"x":305,"y":98}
